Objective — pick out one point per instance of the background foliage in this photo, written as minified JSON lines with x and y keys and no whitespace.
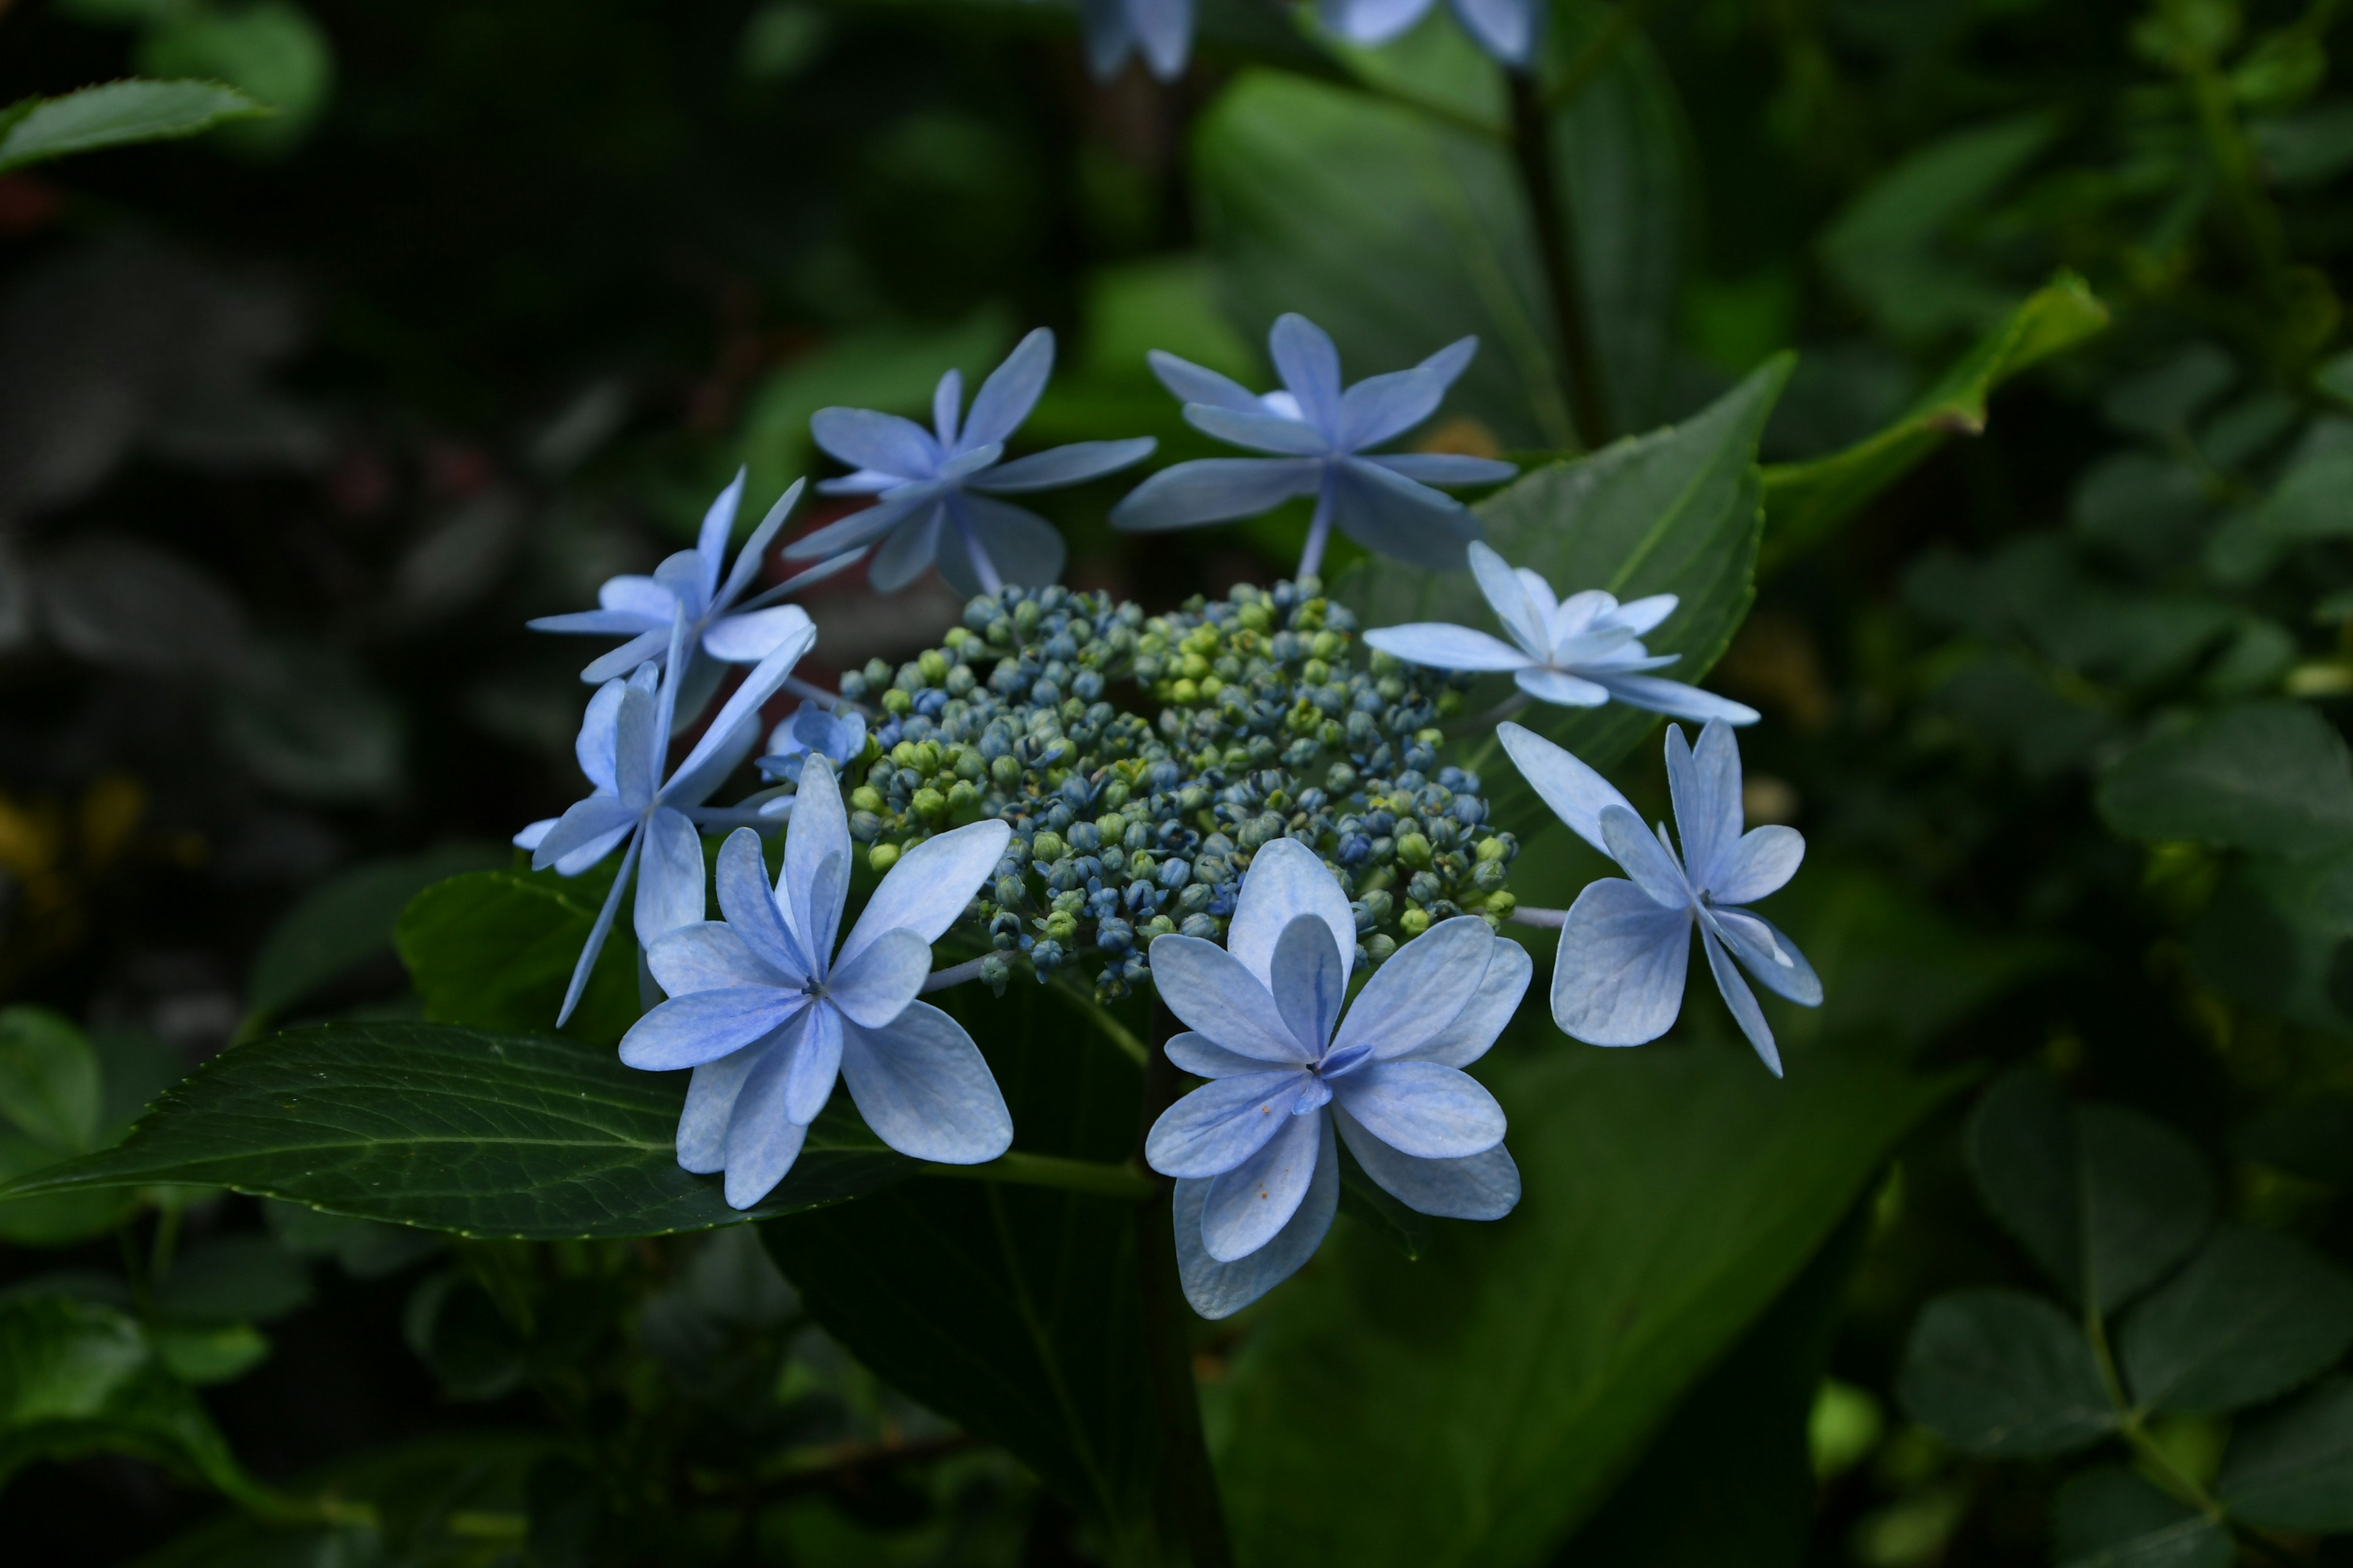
{"x":1981,"y":368}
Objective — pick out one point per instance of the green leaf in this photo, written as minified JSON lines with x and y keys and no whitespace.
{"x":1504,"y":1382}
{"x":1674,"y":512}
{"x":2308,"y":1138}
{"x":1014,"y":1313}
{"x":218,"y":1354}
{"x":1746,"y":1427}
{"x":115,"y":114}
{"x":2110,"y":1518}
{"x":50,"y":1085}
{"x":2314,"y":500}
{"x":528,"y":1136}
{"x":230,"y":1280}
{"x":2292,"y":1469}
{"x":269,"y":48}
{"x":1805,"y":502}
{"x":2254,"y":1314}
{"x":2105,"y":1200}
{"x":80,"y":1378}
{"x":2003,"y":1374}
{"x":496,"y":950}
{"x":55,"y":1220}
{"x":2268,"y":776}
{"x":346,"y":921}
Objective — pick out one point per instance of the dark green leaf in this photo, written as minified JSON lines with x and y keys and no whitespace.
{"x":55,"y":1220}
{"x":1013,"y":1312}
{"x":2254,"y":1314}
{"x":2314,"y":500}
{"x":219,"y":1353}
{"x":116,"y":114}
{"x":461,"y":1130}
{"x":2003,"y":1374}
{"x":1745,"y":1427}
{"x":2307,"y":1138}
{"x":50,"y":1086}
{"x":496,"y":949}
{"x":80,"y":1378}
{"x":1674,"y":512}
{"x":1369,"y":1204}
{"x":232,"y":1278}
{"x":2105,"y":1200}
{"x":345,"y":920}
{"x":1805,"y":502}
{"x":365,"y":1248}
{"x":2268,"y":776}
{"x":2292,"y":1469}
{"x":1504,"y":1382}
{"x":2273,"y":938}
{"x":2110,"y":1518}
{"x":457,"y":1330}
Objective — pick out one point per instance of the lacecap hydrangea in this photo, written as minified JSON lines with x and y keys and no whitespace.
{"x":1273,"y":721}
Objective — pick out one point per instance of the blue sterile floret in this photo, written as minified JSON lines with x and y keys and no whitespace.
{"x":1142,"y":760}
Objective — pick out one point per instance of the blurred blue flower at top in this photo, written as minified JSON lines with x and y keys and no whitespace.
{"x":1618,"y":976}
{"x":719,"y":630}
{"x":1506,"y":29}
{"x":1319,"y":435}
{"x":815,"y":732}
{"x":1159,"y":31}
{"x":936,"y":489}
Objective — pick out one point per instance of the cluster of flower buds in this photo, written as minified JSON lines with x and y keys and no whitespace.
{"x":1271,"y":725}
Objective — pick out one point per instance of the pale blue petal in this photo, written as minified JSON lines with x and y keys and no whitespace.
{"x":819,"y":836}
{"x":761,"y":1140}
{"x":1246,"y":1206}
{"x":1438,"y":646}
{"x":970,"y":461}
{"x":1561,"y":689}
{"x":598,"y":743}
{"x":924,"y":1089}
{"x":1639,"y":616}
{"x":638,"y":741}
{"x":1576,"y":794}
{"x":1677,"y":700}
{"x":1260,"y":431}
{"x":710,"y":542}
{"x":1428,"y":1110}
{"x":1220,"y":1290}
{"x":1644,"y":858}
{"x":947,"y":407}
{"x":533,"y":833}
{"x":711,"y":956}
{"x":640,"y":596}
{"x":1309,"y":364}
{"x":1443,"y":468}
{"x":619,"y":661}
{"x":1216,"y":995}
{"x":815,"y":1062}
{"x":755,"y":549}
{"x":736,"y":728}
{"x":1163,"y":31}
{"x":1286,"y":881}
{"x":752,"y":636}
{"x":1024,"y":548}
{"x":875,"y":987}
{"x":1704,"y":785}
{"x":599,"y":623}
{"x":1760,"y":861}
{"x":750,"y":910}
{"x":1472,"y":1030}
{"x":1505,"y":28}
{"x":1389,"y":513}
{"x":832,"y":566}
{"x":1197,"y":384}
{"x":1421,"y":990}
{"x":1452,"y":361}
{"x":1072,"y":465}
{"x":1225,"y":1121}
{"x":930,"y":885}
{"x":682,"y":573}
{"x":1203,"y":1058}
{"x":1769,"y":955}
{"x":1485,"y":1186}
{"x":1011,"y":391}
{"x":1618,"y":979}
{"x":587,"y":963}
{"x":863,"y":528}
{"x":1309,"y":980}
{"x":586,"y":832}
{"x":1506,"y":592}
{"x":711,"y":1096}
{"x":1109,"y":37}
{"x":1371,"y":23}
{"x":865,"y":439}
{"x":1215,"y":490}
{"x":864,"y":483}
{"x":669,"y":879}
{"x":687,"y":1031}
{"x":1741,"y":1000}
{"x":910,"y":550}
{"x":1380,"y":407}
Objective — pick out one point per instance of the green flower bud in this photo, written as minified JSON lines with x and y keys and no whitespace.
{"x":929,"y":802}
{"x":1046,"y":847}
{"x":899,"y":702}
{"x":882,"y":857}
{"x":935,"y":667}
{"x":866,"y":797}
{"x":1413,"y":922}
{"x":1413,"y":849}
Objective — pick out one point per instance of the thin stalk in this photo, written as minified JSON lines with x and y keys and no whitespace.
{"x":1478,"y":723}
{"x":1557,"y":250}
{"x":1105,"y":1020}
{"x":1020,"y":1169}
{"x":167,"y":1238}
{"x":1192,"y":1519}
{"x":1319,"y":534}
{"x":2131,"y":1428}
{"x":1549,"y":919}
{"x":955,"y":974}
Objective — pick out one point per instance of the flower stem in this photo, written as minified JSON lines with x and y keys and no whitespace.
{"x":1550,"y":920}
{"x":1319,"y":533}
{"x":1478,"y":723}
{"x":982,"y":566}
{"x":1556,"y":249}
{"x":1019,"y":1170}
{"x":955,"y":974}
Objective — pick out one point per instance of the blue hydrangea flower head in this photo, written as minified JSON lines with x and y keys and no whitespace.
{"x":768,"y":1013}
{"x":722,"y":627}
{"x":1253,"y":1152}
{"x":1578,"y":652}
{"x":1159,"y":32}
{"x":622,"y":744}
{"x":1618,"y":979}
{"x":936,"y":491}
{"x":817,"y":731}
{"x":1508,"y":30}
{"x":1319,"y":437}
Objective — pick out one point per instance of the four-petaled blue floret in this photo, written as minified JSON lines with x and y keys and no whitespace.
{"x":1158,"y":32}
{"x":1254,"y":1150}
{"x":1508,"y":30}
{"x":1618,"y":979}
{"x":1320,"y":436}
